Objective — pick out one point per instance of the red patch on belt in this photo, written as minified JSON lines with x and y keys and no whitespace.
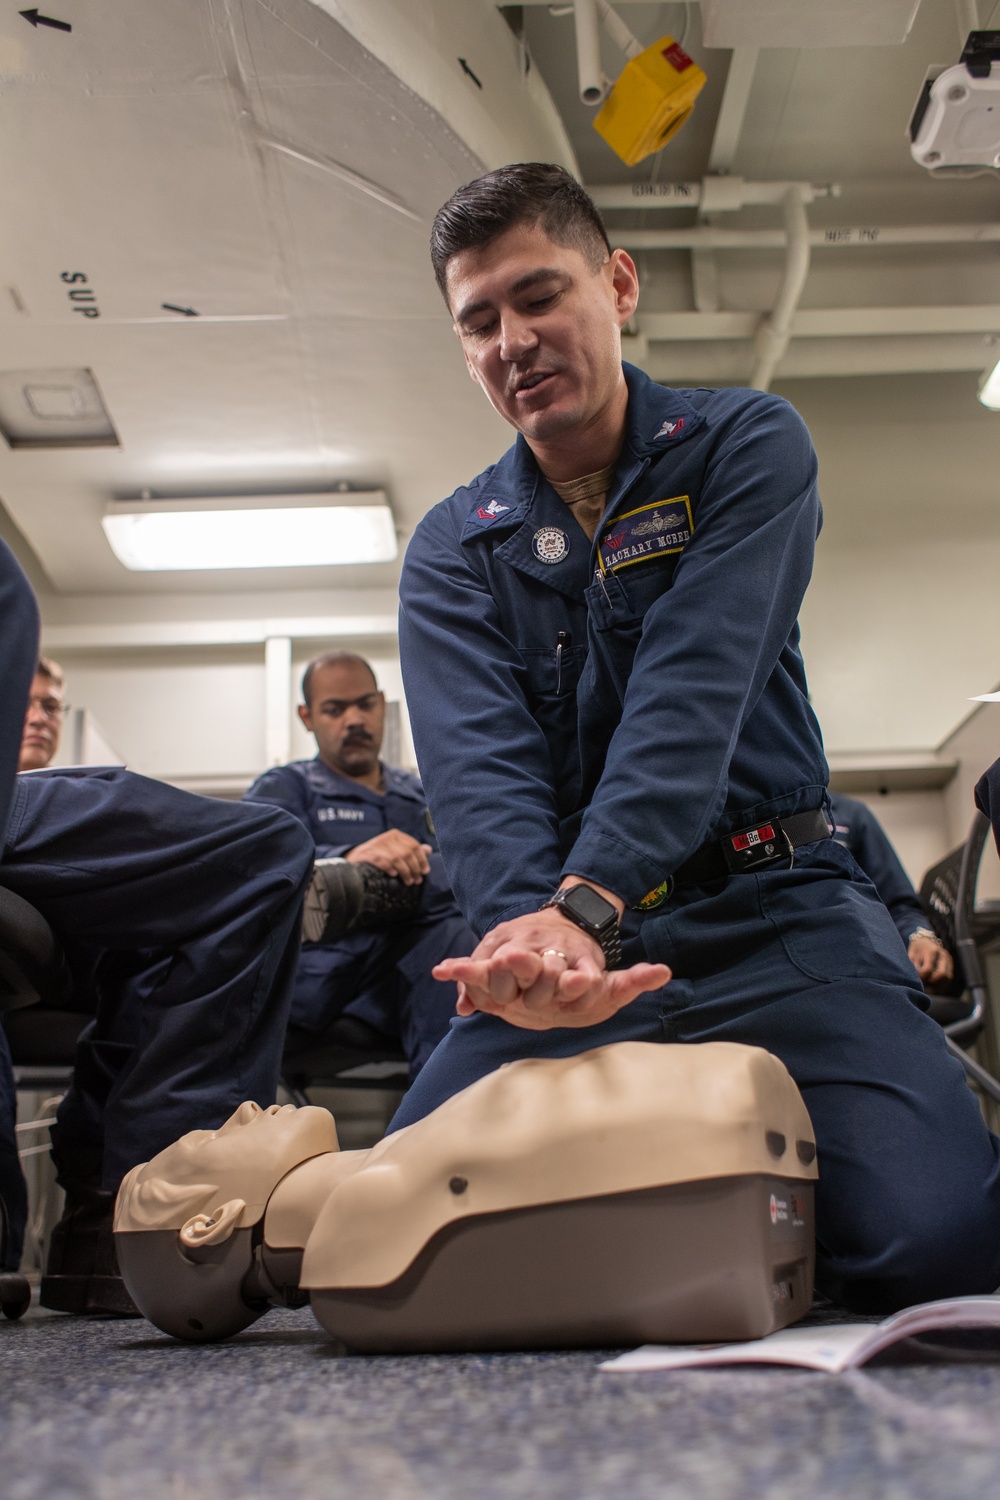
{"x":752,"y":838}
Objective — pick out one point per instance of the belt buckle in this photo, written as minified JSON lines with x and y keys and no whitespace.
{"x":755,"y":848}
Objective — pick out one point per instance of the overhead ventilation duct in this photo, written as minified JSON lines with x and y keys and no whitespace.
{"x":57,"y":408}
{"x":261,"y":531}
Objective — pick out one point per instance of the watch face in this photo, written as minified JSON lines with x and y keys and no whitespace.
{"x":588,"y":905}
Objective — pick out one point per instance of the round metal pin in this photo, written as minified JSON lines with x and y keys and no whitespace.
{"x":550,"y":544}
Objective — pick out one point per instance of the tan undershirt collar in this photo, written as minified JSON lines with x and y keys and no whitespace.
{"x":586,"y":496}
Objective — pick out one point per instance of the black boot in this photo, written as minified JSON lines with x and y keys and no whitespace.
{"x":343,"y":897}
{"x":81,"y":1270}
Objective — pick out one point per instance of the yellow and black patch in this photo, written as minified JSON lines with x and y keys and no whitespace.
{"x":653,"y":530}
{"x":654,"y":898}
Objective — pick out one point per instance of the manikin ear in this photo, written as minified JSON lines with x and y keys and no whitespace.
{"x":214,"y":1230}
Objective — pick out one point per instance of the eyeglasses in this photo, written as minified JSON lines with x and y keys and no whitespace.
{"x":49,"y":708}
{"x":336,"y":708}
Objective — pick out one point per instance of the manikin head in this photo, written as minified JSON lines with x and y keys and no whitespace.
{"x":211,"y":1182}
{"x":345,"y":711}
{"x":44,"y":719}
{"x":188,"y":1223}
{"x":538,"y":299}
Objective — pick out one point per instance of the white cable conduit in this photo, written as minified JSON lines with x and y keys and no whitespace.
{"x":617,"y":30}
{"x":772,"y":335}
{"x":823,"y":322}
{"x":707,"y":236}
{"x":711,"y":195}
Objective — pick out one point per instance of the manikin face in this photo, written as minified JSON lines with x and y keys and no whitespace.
{"x":255,"y":1141}
{"x":42,"y":724}
{"x":243,"y":1160}
{"x":347,"y":716}
{"x":540,"y":329}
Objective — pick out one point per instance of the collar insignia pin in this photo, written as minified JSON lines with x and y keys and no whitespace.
{"x":550,"y":544}
{"x":671,"y":429}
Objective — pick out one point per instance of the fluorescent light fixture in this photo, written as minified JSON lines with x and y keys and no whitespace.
{"x":985,"y":698}
{"x":989,"y":388}
{"x":262,"y":531}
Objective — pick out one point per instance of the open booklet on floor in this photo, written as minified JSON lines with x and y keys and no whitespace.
{"x":832,"y":1346}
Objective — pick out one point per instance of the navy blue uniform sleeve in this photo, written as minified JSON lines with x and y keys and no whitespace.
{"x":707,"y":648}
{"x":283,"y":788}
{"x":870,"y":845}
{"x":483,"y":759}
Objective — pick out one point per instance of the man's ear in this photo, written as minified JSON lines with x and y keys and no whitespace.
{"x":203,"y":1229}
{"x":625,"y":285}
{"x":305,"y":714}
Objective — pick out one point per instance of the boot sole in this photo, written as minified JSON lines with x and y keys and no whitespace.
{"x":105,"y":1295}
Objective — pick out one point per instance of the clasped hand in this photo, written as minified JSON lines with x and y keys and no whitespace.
{"x":541,"y":971}
{"x":395,"y":852}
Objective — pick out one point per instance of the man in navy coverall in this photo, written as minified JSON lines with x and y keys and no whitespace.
{"x":182,"y":916}
{"x":358,"y":808}
{"x":857,"y":828}
{"x":601,"y":656}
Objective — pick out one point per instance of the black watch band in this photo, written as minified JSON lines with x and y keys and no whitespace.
{"x":594,"y":916}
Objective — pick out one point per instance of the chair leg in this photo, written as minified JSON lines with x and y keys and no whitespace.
{"x":298,"y":1096}
{"x":978,"y":1074}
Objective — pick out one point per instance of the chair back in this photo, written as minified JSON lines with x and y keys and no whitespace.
{"x":32,"y":964}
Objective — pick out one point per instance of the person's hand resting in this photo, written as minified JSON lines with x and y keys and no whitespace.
{"x":396,"y":853}
{"x":541,"y":971}
{"x":932,"y":962}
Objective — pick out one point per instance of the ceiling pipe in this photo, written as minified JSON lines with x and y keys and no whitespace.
{"x":833,"y":238}
{"x":592,"y":82}
{"x":711,"y":195}
{"x":589,"y":16}
{"x":824,"y":323}
{"x":775,"y":331}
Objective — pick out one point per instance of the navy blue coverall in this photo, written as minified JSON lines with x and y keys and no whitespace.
{"x":382,"y":977}
{"x":179,"y":915}
{"x":857,"y":828}
{"x":18,"y":658}
{"x":605,"y":710}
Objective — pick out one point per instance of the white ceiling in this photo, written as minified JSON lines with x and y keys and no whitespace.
{"x":194,"y":153}
{"x":207,"y":153}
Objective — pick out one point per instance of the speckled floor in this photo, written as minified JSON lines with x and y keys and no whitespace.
{"x":107,"y":1410}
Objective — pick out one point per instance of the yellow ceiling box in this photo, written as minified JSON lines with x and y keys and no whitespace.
{"x":652,"y":99}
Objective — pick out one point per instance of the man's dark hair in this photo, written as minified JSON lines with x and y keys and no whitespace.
{"x":527,"y":192}
{"x":334,"y":659}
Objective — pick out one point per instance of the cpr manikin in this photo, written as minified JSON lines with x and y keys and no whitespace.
{"x":634,"y":1193}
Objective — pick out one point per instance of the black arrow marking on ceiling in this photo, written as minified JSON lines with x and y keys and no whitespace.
{"x":39,"y":20}
{"x":466,"y":69}
{"x":189,"y":312}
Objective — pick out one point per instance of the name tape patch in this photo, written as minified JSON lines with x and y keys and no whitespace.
{"x":651,"y":531}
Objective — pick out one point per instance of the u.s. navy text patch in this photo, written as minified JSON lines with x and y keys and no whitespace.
{"x":651,"y":531}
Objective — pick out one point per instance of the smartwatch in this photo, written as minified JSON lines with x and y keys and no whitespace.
{"x":596,"y":916}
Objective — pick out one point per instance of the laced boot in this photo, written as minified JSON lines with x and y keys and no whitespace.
{"x":343,"y":897}
{"x":81,"y":1269}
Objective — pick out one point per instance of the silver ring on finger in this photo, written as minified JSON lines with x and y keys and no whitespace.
{"x":556,"y":953}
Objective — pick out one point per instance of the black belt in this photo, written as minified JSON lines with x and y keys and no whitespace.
{"x":752,"y":848}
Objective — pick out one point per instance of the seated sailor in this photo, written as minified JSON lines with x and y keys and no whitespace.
{"x":43,"y":722}
{"x":358,"y":808}
{"x":182,"y":915}
{"x":857,"y":828}
{"x":638,"y":1191}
